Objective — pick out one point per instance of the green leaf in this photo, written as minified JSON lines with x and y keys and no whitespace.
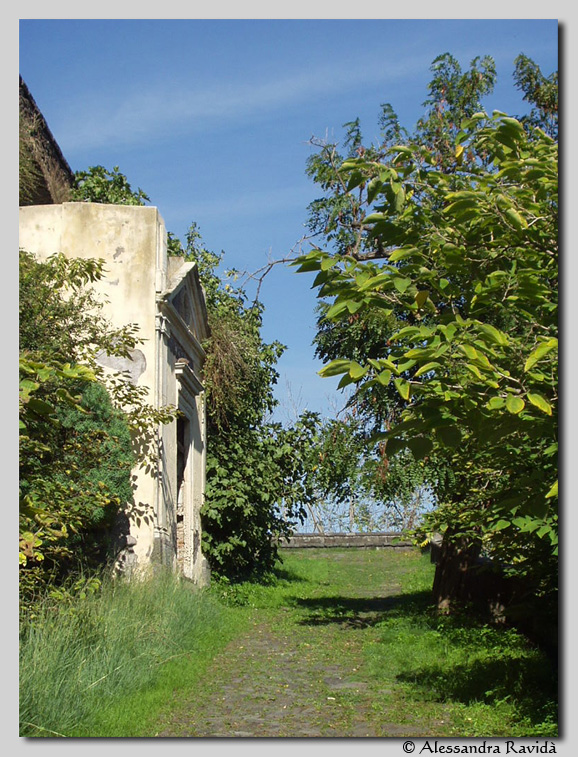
{"x":469,"y":351}
{"x":306,"y":265}
{"x":27,"y":386}
{"x":400,"y":254}
{"x":420,"y":446}
{"x":401,"y":284}
{"x":495,"y":335}
{"x":514,"y":404}
{"x":462,"y":209}
{"x":357,"y":371}
{"x":541,"y":351}
{"x":405,"y":366}
{"x":373,"y":189}
{"x":353,"y":306}
{"x":540,"y":402}
{"x":474,"y":369}
{"x":501,"y":525}
{"x":516,"y":219}
{"x":399,"y":200}
{"x":335,"y":367}
{"x":335,"y":309}
{"x":327,"y":263}
{"x":553,"y":491}
{"x":394,"y":445}
{"x":450,"y":436}
{"x":374,"y":218}
{"x":426,"y":368}
{"x":384,"y":377}
{"x":403,"y":387}
{"x":421,"y":297}
{"x":40,"y":407}
{"x":355,"y":180}
{"x":346,"y":380}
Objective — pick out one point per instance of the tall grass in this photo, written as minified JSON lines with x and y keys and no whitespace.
{"x":84,"y":666}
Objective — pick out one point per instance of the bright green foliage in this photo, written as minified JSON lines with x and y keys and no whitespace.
{"x":255,"y":486}
{"x":471,"y":278}
{"x":103,"y":186}
{"x":357,"y":335}
{"x":76,"y":444}
{"x":74,"y":478}
{"x":439,"y":305}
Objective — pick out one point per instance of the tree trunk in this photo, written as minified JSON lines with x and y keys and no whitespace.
{"x":457,"y":556}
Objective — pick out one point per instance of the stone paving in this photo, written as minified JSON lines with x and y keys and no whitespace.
{"x":296,"y":677}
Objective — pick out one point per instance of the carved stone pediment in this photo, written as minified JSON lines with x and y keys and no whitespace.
{"x":186,"y":297}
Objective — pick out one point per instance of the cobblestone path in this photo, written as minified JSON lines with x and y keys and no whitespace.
{"x":297,"y":676}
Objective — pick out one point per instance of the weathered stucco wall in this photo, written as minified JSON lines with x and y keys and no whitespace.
{"x":128,"y":238}
{"x":137,"y":290}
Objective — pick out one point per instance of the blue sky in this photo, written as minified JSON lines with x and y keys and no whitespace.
{"x":212,"y":119}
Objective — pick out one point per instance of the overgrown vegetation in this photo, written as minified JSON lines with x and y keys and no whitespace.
{"x":441,"y":265}
{"x":439,"y":306}
{"x":103,"y":661}
{"x":30,"y":175}
{"x":256,"y":475}
{"x":77,"y":425}
{"x":98,"y":184}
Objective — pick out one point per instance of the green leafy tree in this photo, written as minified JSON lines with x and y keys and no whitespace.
{"x":361,"y":334}
{"x":75,"y":449}
{"x":481,"y":355}
{"x":451,"y":247}
{"x":541,"y":92}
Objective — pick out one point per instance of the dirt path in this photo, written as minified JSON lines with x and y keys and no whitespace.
{"x":295,"y":676}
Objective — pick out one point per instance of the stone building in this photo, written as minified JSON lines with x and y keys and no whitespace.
{"x":163,"y":296}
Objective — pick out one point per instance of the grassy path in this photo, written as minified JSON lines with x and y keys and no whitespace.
{"x":342,"y":646}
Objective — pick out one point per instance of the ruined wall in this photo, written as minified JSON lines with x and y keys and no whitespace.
{"x":136,"y":289}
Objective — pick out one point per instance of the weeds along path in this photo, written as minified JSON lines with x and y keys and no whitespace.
{"x":302,"y":668}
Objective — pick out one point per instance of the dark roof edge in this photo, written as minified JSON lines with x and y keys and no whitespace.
{"x":45,"y":128}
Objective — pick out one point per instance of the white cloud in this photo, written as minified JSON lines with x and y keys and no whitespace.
{"x":179,"y":108}
{"x":253,"y":204}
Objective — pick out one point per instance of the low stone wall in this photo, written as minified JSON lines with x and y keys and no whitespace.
{"x":321,"y":541}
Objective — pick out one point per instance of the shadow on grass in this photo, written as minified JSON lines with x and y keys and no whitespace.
{"x":360,"y":612}
{"x":288,"y":575}
{"x":486,"y":680}
{"x":528,"y":683}
{"x":449,"y":659}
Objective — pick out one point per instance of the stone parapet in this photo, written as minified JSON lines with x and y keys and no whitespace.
{"x":321,"y":541}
